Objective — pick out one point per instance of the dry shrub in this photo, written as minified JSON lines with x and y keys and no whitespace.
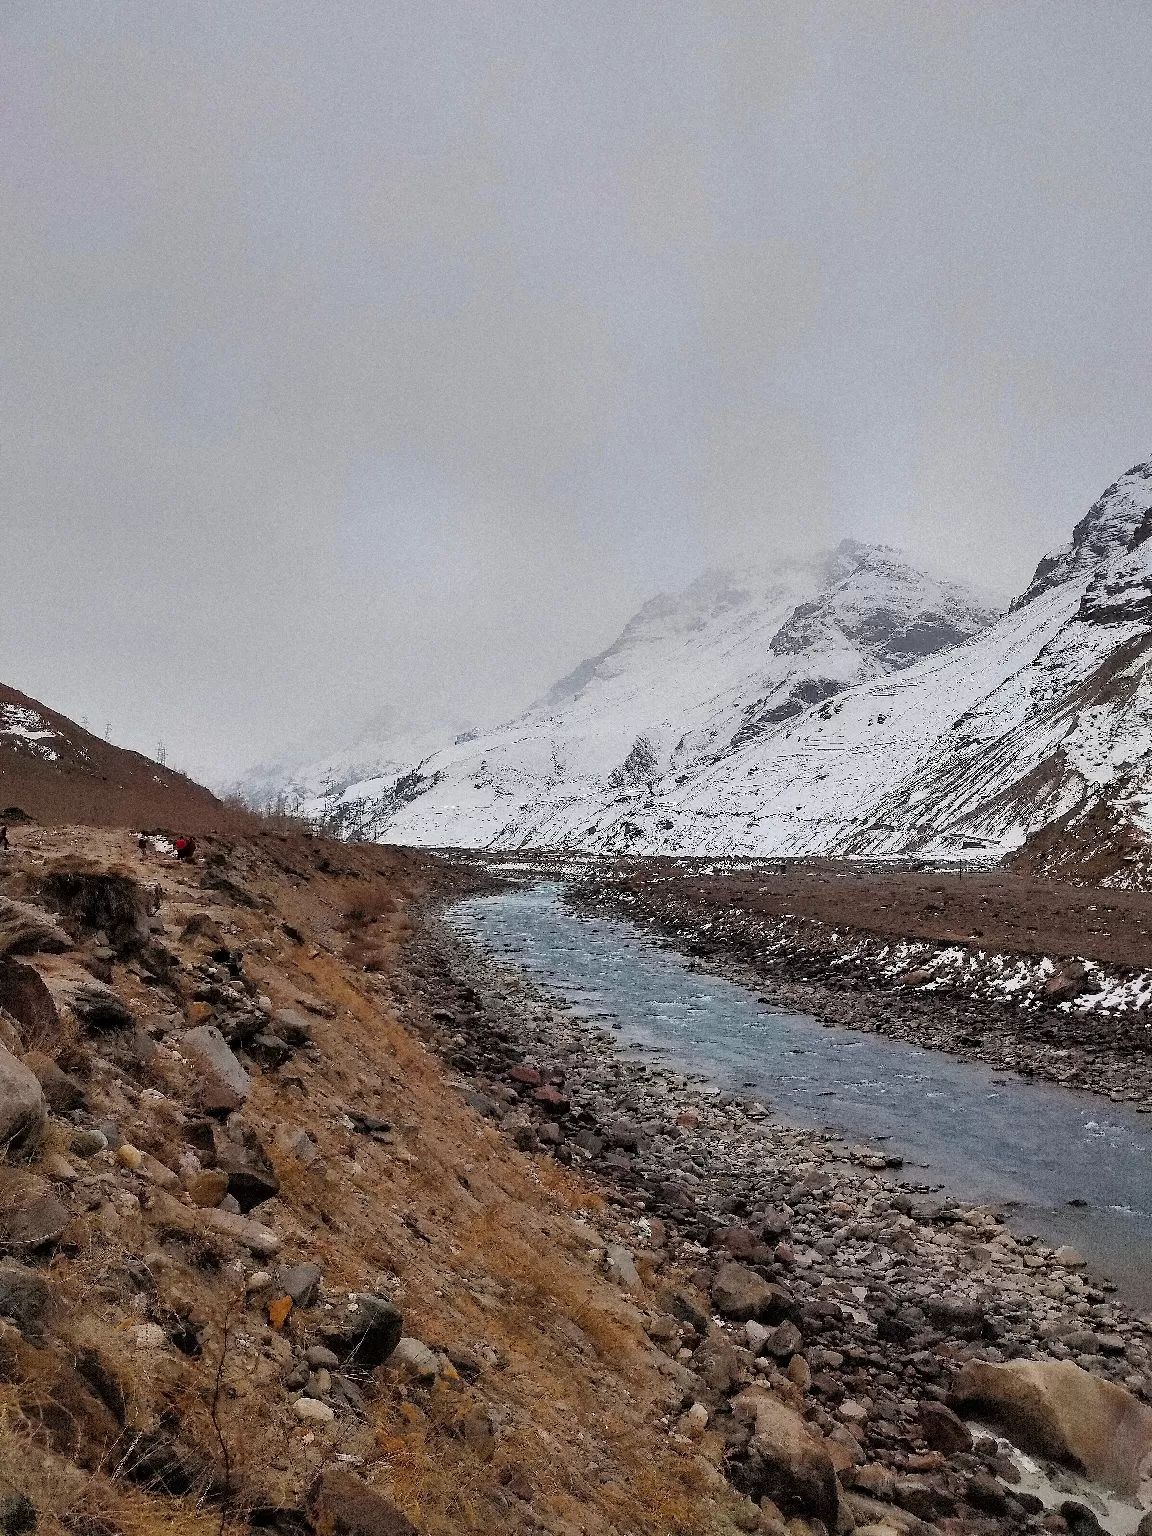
{"x":369,"y":905}
{"x":93,"y":898}
{"x":369,"y":922}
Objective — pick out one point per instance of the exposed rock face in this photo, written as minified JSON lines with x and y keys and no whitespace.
{"x":785,"y":1463}
{"x":1054,"y":1408}
{"x":1108,"y":528}
{"x":21,"y":1100}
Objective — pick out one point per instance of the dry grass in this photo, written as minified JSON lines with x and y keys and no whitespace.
{"x":479,"y":1236}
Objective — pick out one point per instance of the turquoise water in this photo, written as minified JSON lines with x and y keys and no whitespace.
{"x":1027,"y":1147}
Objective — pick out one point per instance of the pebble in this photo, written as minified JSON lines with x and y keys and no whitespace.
{"x":312,"y":1411}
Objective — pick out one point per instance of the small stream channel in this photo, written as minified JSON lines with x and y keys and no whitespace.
{"x":1030,"y":1148}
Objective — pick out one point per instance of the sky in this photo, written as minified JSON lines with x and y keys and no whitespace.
{"x":365,"y":356}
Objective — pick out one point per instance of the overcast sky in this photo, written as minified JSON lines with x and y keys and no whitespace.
{"x":355,"y":354}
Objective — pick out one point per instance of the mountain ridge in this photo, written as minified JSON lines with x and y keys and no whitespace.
{"x":846,"y":704}
{"x":55,"y":771}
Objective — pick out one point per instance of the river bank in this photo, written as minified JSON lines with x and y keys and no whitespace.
{"x":888,"y":1292}
{"x":1020,"y":976}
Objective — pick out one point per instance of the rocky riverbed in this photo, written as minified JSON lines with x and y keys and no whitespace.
{"x":1078,"y":1022}
{"x":783,"y":1272}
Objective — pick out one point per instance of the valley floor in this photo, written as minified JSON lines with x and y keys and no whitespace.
{"x":627,"y":1307}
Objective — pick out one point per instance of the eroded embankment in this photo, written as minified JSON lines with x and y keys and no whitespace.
{"x":1078,"y":1021}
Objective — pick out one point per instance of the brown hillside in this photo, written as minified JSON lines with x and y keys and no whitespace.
{"x":59,"y":773}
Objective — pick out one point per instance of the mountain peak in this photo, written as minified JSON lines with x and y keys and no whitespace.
{"x":1114,"y":523}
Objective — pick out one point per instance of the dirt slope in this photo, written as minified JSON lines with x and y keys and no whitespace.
{"x":59,"y":773}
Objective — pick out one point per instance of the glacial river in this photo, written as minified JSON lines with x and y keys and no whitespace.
{"x":1029,"y":1148}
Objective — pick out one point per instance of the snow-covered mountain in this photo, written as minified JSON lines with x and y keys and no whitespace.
{"x":847,"y":704}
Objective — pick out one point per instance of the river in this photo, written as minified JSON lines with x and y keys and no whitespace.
{"x":1029,"y":1148}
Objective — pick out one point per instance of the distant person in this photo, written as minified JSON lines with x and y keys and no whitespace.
{"x":185,"y":848}
{"x":4,"y":843}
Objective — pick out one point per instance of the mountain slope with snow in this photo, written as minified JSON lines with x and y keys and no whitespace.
{"x":55,"y":771}
{"x":692,"y":680}
{"x":848,"y":704}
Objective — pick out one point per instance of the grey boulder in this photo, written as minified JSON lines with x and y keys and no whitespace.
{"x":22,"y":1109}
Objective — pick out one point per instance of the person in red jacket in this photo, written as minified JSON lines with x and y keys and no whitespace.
{"x":185,"y":847}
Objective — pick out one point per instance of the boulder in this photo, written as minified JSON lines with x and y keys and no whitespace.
{"x":621,"y":1267}
{"x":942,"y":1430}
{"x":61,"y":1091}
{"x":876,"y":1517}
{"x":738,"y":1242}
{"x":24,"y":995}
{"x":224,"y":1084}
{"x":683,"y":1306}
{"x":258,"y":1239}
{"x":240,"y":1155}
{"x":717,"y":1362}
{"x":366,"y":1333}
{"x":98,"y":1007}
{"x":739,"y":1293}
{"x":269,"y":1051}
{"x":783,"y":1342}
{"x":412,"y":1357}
{"x":207,"y":1188}
{"x":342,"y":1504}
{"x":957,"y":1316}
{"x":784,"y":1461}
{"x":302,"y":1283}
{"x":173,"y":1216}
{"x":1053,"y":1408}
{"x":22,"y":1108}
{"x":25,"y":930}
{"x":25,"y":1296}
{"x":293,"y":1027}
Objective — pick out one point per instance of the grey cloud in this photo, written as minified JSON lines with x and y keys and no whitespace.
{"x":370,"y":354}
